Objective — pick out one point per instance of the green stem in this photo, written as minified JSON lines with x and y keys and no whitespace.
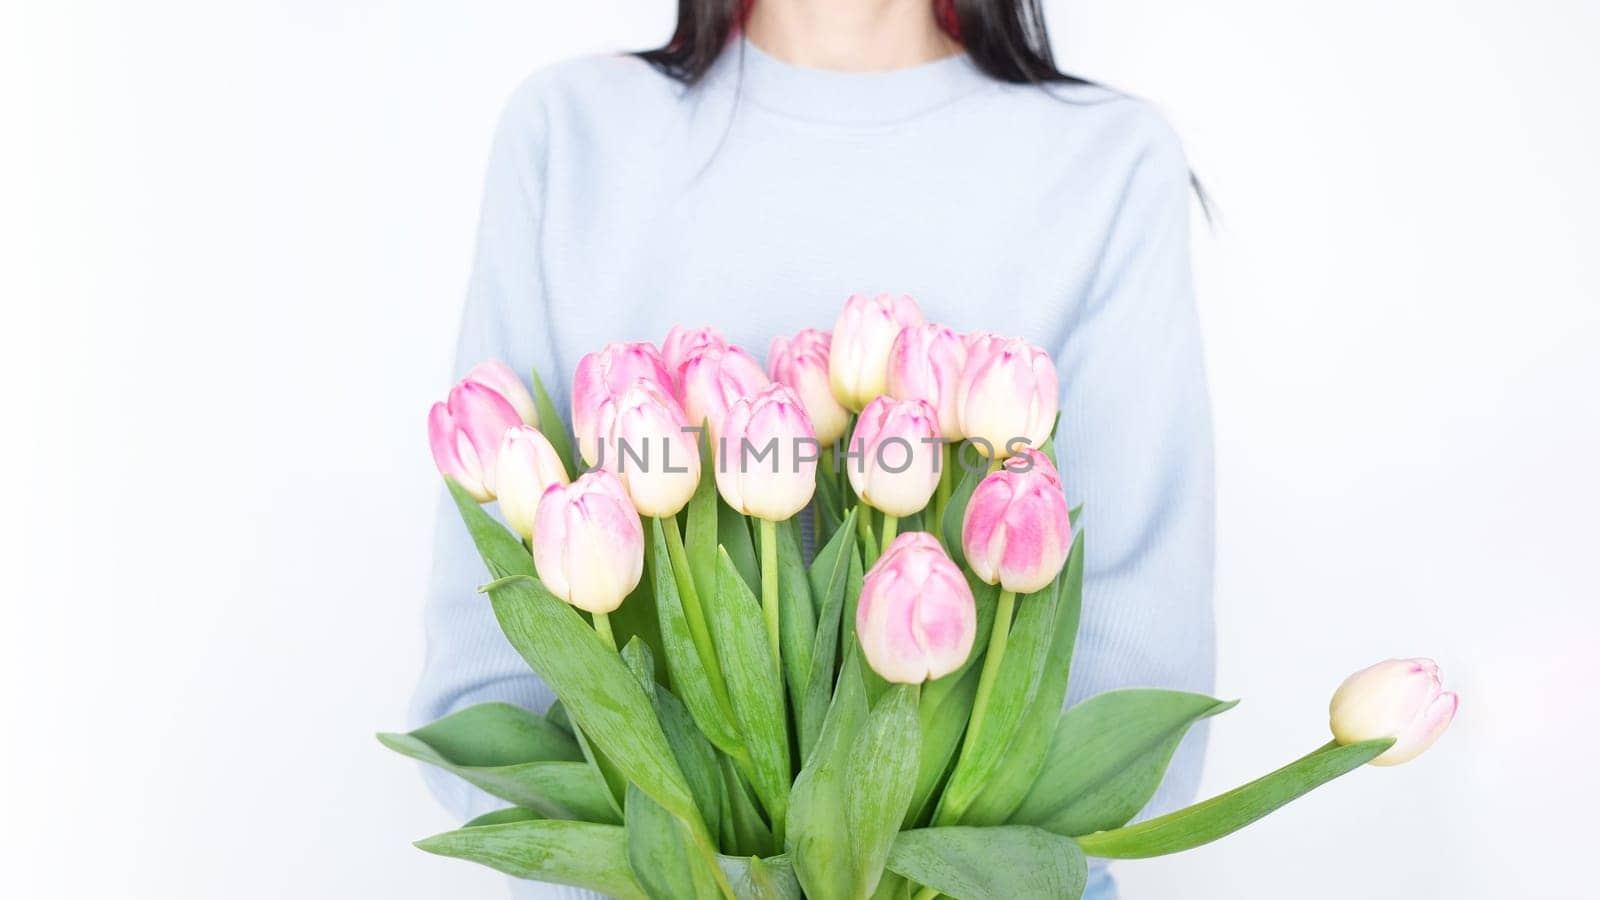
{"x":995,"y":464}
{"x":891,"y":524}
{"x":941,"y":495}
{"x":992,"y":659}
{"x":769,"y":589}
{"x":694,"y":612}
{"x":926,"y":893}
{"x":869,"y":544}
{"x":602,"y":627}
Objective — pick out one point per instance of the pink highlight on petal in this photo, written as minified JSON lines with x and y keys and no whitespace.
{"x":1016,"y":532}
{"x":916,"y":619}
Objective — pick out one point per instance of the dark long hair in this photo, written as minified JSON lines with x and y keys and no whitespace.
{"x":1005,"y":39}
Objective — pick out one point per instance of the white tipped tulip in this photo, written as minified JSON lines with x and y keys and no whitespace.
{"x":858,"y":359}
{"x":894,"y":455}
{"x":1007,"y":397}
{"x":1397,"y":698}
{"x":498,"y":377}
{"x":916,"y":619}
{"x":652,"y":449}
{"x":589,"y":549}
{"x":527,"y":467}
{"x":767,"y":455}
{"x":801,"y":362}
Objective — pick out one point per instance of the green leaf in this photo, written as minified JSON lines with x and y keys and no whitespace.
{"x":497,"y":734}
{"x":552,"y":426}
{"x":683,"y":657}
{"x":1021,"y":672}
{"x":1108,"y":756}
{"x":1226,"y":813}
{"x":662,"y":855}
{"x":743,"y":829}
{"x":733,"y":533}
{"x":797,"y":617}
{"x":696,"y":759}
{"x":599,"y":693}
{"x":502,"y":816}
{"x":819,"y":843}
{"x":700,"y":532}
{"x":882,"y":775}
{"x":829,"y":578}
{"x":1005,"y":863}
{"x":944,"y":720}
{"x":956,"y":512}
{"x":1020,"y":765}
{"x":511,"y":754}
{"x":755,"y":878}
{"x":753,"y":685}
{"x":580,"y":854}
{"x":637,"y":617}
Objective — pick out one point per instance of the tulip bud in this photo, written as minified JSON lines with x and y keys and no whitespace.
{"x":925,"y":364}
{"x":1007,"y":392}
{"x":767,"y":455}
{"x":801,"y":363}
{"x":465,"y":432}
{"x":1016,"y":532}
{"x":498,"y":377}
{"x":894,"y":455}
{"x":1398,"y":698}
{"x":652,"y":449}
{"x":605,"y":375}
{"x":712,"y":379}
{"x":588,"y":544}
{"x":858,"y":360}
{"x":683,"y":343}
{"x":916,"y":617}
{"x":528,"y":465}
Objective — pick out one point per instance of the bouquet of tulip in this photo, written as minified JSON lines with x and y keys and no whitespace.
{"x":881,"y":719}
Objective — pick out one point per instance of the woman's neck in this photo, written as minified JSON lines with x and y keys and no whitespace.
{"x":849,"y":35}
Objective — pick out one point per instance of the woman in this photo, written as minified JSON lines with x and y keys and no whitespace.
{"x":775,"y":158}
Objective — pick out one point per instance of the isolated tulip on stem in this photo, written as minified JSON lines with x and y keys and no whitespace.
{"x":588,"y":546}
{"x":894,"y":459}
{"x":863,"y":335}
{"x":527,"y":467}
{"x":767,"y":468}
{"x":1016,"y":534}
{"x":1397,"y":698}
{"x":605,"y":375}
{"x":916,"y":618}
{"x":465,"y":433}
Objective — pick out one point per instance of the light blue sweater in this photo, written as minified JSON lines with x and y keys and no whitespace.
{"x":619,"y":203}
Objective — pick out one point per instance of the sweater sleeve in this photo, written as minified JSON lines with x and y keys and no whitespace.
{"x":468,"y":658}
{"x":1136,"y":451}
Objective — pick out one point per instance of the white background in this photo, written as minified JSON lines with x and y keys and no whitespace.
{"x":233,"y":242}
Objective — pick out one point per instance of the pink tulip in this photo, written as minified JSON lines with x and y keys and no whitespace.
{"x":528,"y":466}
{"x":801,"y":362}
{"x":894,"y":455}
{"x":649,"y":445}
{"x":1397,"y":698}
{"x":1007,"y":393}
{"x":767,"y":455}
{"x":858,"y":360}
{"x":605,"y":375}
{"x":588,"y":544}
{"x":1016,"y":532}
{"x":925,"y":364}
{"x":711,"y":380}
{"x":916,"y":618}
{"x":498,"y":377}
{"x":682,"y":343}
{"x":465,"y":433}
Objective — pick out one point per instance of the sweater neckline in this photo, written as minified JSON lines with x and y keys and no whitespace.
{"x":853,"y":98}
